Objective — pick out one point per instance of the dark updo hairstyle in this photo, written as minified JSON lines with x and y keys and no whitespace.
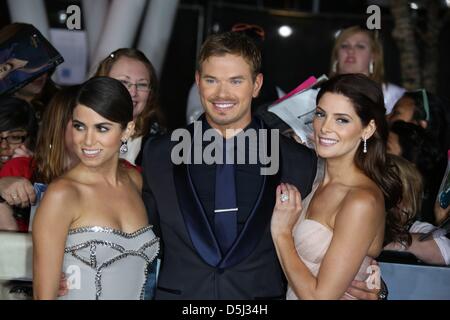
{"x":109,"y":98}
{"x":366,"y":96}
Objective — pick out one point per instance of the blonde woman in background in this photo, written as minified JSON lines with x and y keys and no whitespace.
{"x":358,"y":50}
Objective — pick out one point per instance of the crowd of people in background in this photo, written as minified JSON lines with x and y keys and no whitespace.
{"x":393,"y":146}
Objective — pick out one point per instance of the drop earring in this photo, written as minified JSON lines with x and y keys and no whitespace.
{"x":124,"y":147}
{"x":371,"y":67}
{"x":334,"y":67}
{"x":365,"y":145}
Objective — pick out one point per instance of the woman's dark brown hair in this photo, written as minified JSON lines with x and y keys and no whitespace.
{"x":411,"y":204}
{"x":366,"y":97}
{"x":108,"y":97}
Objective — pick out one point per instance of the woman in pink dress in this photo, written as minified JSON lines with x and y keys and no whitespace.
{"x":328,"y":241}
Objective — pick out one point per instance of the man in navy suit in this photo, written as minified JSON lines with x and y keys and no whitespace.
{"x":182,"y":198}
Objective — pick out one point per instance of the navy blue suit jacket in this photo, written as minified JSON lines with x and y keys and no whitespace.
{"x":193,"y":266}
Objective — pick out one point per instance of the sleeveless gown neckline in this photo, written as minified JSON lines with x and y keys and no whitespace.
{"x":105,"y":263}
{"x":312,"y":240}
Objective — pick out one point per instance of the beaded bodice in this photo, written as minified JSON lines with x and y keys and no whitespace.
{"x":105,"y":263}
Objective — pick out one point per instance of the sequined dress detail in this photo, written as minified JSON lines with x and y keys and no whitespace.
{"x":103,"y":263}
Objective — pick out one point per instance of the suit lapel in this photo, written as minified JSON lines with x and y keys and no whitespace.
{"x":195,"y":219}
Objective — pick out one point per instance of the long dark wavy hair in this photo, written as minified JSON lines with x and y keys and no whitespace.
{"x":366,"y":97}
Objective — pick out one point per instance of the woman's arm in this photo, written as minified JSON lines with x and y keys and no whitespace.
{"x":429,"y":251}
{"x":50,"y":227}
{"x":355,"y":229}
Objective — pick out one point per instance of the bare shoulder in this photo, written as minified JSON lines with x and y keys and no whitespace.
{"x":135,"y":177}
{"x":58,"y":206}
{"x":361,"y":217}
{"x":363,"y":201}
{"x":61,"y":190}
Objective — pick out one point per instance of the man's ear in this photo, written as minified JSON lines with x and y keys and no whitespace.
{"x":129,"y":131}
{"x":258,"y":84}
{"x":197,"y":77}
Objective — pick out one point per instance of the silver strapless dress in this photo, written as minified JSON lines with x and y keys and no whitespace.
{"x":103,"y":263}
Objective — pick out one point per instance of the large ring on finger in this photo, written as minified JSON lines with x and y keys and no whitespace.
{"x":284,"y":197}
{"x":382,"y":296}
{"x":383,"y":293}
{"x":14,"y":196}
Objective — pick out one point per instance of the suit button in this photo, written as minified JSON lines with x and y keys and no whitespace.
{"x":220,"y":270}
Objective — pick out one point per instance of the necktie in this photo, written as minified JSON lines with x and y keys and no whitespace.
{"x":225,"y":213}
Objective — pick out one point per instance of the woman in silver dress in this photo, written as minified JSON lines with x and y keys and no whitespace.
{"x":92,"y":224}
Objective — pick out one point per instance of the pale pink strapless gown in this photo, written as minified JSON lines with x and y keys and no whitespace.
{"x":312,"y":240}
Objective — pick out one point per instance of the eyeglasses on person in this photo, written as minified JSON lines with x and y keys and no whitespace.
{"x":142,"y":86}
{"x":14,"y":139}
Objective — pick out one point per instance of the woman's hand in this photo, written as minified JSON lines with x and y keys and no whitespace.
{"x":17,"y":191}
{"x":22,"y":151}
{"x":287,"y":209}
{"x":360,"y":290}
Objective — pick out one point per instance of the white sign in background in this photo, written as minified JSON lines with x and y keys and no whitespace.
{"x":72,"y":45}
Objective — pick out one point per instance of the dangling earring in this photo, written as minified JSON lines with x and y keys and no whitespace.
{"x":124,"y":147}
{"x":371,"y":67}
{"x":365,"y":145}
{"x":334,"y":67}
